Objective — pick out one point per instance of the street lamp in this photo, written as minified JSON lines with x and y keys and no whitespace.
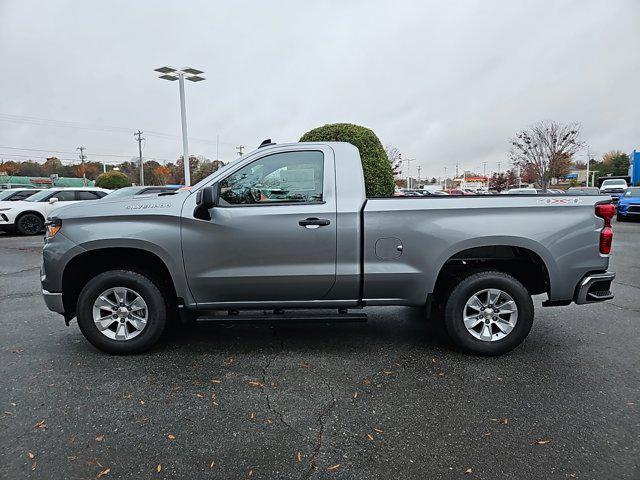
{"x":193,"y":75}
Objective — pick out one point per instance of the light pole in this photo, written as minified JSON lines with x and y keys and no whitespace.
{"x":193,"y":75}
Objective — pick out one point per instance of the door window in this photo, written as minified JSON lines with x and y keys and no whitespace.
{"x":65,"y":195}
{"x":85,"y":195}
{"x":288,"y":177}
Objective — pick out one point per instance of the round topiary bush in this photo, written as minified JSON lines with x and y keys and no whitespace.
{"x":112,"y":180}
{"x":378,"y":175}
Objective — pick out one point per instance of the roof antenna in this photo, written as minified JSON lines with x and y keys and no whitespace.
{"x":266,"y":143}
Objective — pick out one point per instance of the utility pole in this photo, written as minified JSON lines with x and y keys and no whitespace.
{"x":588,"y":161}
{"x":82,"y":159}
{"x":239,"y":148}
{"x":445,"y":177}
{"x":217,"y":147}
{"x":419,"y":169}
{"x":457,"y":165}
{"x":484,"y":169}
{"x":139,"y":139}
{"x":499,"y":163}
{"x":408,"y":160}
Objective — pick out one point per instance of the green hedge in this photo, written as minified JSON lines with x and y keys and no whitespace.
{"x":112,"y":180}
{"x":378,"y":174}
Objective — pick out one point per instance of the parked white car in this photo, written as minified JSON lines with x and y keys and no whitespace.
{"x":28,"y":216}
{"x":521,"y":191}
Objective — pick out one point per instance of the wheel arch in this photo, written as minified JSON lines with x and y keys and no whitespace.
{"x":533,"y":267}
{"x":86,"y":265}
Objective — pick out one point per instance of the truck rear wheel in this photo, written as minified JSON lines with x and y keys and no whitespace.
{"x":121,"y":311}
{"x":488,"y":313}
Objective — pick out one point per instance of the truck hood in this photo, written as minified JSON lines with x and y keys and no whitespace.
{"x":153,"y":204}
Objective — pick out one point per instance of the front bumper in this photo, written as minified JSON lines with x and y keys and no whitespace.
{"x":594,"y":287}
{"x":53,"y":301}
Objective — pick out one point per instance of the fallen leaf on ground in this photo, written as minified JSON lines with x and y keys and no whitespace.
{"x":104,"y":472}
{"x":141,"y":402}
{"x":505,"y":421}
{"x":34,"y":464}
{"x":99,"y":438}
{"x":30,"y":455}
{"x":304,"y":365}
{"x":41,"y":425}
{"x":379,"y":430}
{"x":542,"y":442}
{"x":255,"y":383}
{"x":212,"y":464}
{"x":334,"y":467}
{"x":298,"y":456}
{"x":250,"y":473}
{"x":215,"y":380}
{"x":369,"y":436}
{"x":252,"y":415}
{"x":199,"y":395}
{"x":355,"y":394}
{"x":171,"y":437}
{"x":366,"y":381}
{"x":8,"y":413}
{"x":488,"y":434}
{"x":468,"y":471}
{"x":388,"y":372}
{"x":159,"y":468}
{"x":269,"y":421}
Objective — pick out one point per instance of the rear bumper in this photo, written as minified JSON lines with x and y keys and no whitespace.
{"x":53,"y":301}
{"x":594,"y":287}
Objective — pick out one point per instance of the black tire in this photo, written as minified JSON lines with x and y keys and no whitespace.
{"x":464,"y":290}
{"x":29,"y":224}
{"x":141,"y":284}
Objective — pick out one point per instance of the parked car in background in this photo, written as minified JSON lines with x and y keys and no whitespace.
{"x":614,"y":187}
{"x":27,"y":217}
{"x":16,"y":194}
{"x":583,"y":191}
{"x":141,"y":190}
{"x":6,"y":186}
{"x":521,"y":191}
{"x":629,"y":204}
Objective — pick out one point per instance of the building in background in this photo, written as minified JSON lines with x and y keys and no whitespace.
{"x":634,"y":168}
{"x":45,"y":182}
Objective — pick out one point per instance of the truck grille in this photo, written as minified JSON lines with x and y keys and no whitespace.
{"x":634,"y":209}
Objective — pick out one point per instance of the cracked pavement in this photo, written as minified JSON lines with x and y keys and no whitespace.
{"x":384,"y":399}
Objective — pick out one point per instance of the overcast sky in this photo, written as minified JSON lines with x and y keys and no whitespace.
{"x":444,"y":81}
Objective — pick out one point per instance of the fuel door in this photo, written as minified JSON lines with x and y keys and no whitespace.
{"x":388,"y":248}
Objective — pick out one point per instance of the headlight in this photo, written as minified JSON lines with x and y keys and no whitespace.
{"x":53,"y":227}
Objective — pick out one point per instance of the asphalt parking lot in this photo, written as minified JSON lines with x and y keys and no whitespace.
{"x":383,"y":399}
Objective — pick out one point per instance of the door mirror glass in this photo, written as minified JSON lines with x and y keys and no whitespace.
{"x":206,"y":199}
{"x":53,"y":200}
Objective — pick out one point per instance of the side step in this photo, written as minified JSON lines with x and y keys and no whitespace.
{"x":282,"y":316}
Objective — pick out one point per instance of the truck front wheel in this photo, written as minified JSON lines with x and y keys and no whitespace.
{"x":121,"y":311}
{"x":488,"y":313}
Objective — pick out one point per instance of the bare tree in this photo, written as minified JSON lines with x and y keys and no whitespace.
{"x":545,"y":149}
{"x":395,"y":158}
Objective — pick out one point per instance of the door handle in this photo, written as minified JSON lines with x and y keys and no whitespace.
{"x":314,"y":222}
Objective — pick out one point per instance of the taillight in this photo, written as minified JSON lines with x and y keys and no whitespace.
{"x":606,"y":211}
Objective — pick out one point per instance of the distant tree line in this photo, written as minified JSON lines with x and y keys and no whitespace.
{"x":155,"y":173}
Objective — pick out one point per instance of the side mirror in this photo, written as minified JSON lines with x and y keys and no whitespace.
{"x":53,"y":200}
{"x":206,"y":199}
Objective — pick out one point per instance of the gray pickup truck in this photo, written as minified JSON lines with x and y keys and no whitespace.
{"x":287,"y":232}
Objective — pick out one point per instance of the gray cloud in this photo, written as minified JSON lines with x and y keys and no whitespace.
{"x":446,"y":82}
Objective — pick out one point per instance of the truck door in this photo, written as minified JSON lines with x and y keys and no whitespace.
{"x":272,"y":238}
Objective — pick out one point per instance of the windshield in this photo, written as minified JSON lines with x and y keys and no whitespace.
{"x":633,"y":192}
{"x":40,"y":196}
{"x":122,"y":192}
{"x":606,"y":183}
{"x":6,"y":193}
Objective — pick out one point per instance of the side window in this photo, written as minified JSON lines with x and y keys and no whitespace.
{"x":279,"y":178}
{"x":84,"y":195}
{"x":20,"y":196}
{"x":64,"y":196}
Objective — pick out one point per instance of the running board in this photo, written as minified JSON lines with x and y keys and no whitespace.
{"x":310,"y":316}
